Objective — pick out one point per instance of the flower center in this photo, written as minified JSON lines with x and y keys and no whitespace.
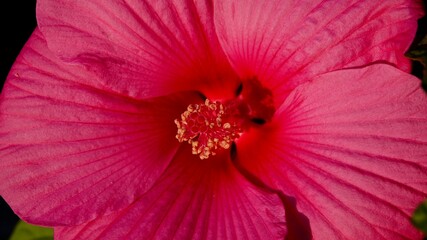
{"x":214,"y":125}
{"x":209,"y":126}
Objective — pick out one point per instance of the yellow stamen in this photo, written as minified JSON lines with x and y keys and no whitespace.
{"x":207,"y":127}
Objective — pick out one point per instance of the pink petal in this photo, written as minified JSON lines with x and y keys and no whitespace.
{"x":71,"y":152}
{"x":286,"y":43}
{"x":139,"y":48}
{"x":351,"y":147}
{"x":194,"y":199}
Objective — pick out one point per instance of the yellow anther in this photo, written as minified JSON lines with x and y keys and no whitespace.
{"x":201,"y":125}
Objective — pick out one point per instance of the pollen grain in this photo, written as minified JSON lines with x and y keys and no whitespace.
{"x":208,"y":127}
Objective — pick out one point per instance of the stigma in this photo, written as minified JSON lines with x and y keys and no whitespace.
{"x":210,"y":127}
{"x":213,"y":126}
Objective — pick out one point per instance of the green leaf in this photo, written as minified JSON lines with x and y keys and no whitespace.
{"x":27,"y":231}
{"x":419,"y":53}
{"x":419,"y":218}
{"x":418,"y":50}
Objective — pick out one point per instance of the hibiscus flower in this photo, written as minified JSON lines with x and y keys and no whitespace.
{"x":216,"y":120}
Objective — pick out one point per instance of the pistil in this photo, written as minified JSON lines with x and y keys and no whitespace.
{"x":209,"y":127}
{"x":215,"y":125}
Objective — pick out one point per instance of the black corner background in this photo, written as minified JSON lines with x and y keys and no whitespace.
{"x":17,"y":22}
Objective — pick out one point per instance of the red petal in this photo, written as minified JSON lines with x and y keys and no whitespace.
{"x":351,"y":147}
{"x":285,"y":43}
{"x":194,"y":199}
{"x":139,"y":48}
{"x":71,"y":152}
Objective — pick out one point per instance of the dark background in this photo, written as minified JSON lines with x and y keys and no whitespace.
{"x":17,"y":21}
